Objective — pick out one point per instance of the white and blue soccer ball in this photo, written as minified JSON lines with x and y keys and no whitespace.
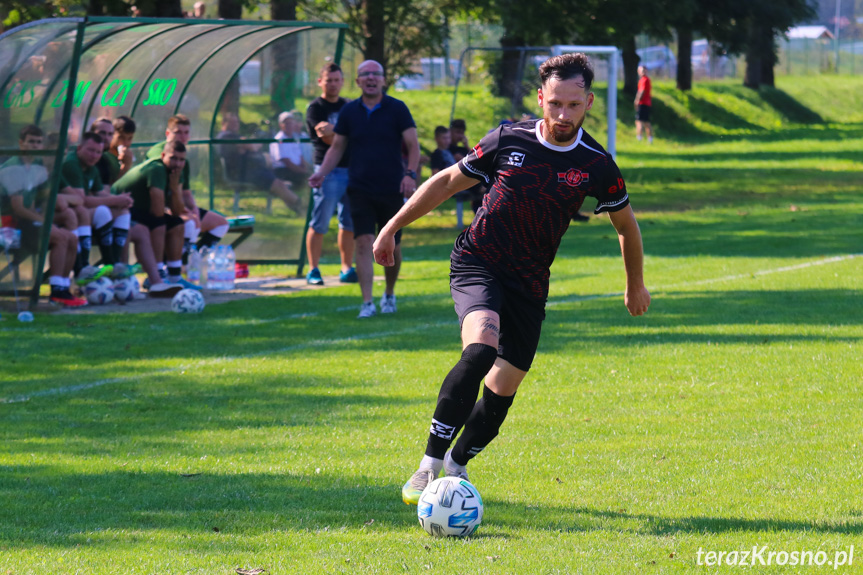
{"x":124,"y":290}
{"x":188,"y":301}
{"x":100,"y":291}
{"x":450,"y":507}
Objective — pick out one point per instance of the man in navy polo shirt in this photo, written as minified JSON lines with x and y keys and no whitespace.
{"x":374,"y":126}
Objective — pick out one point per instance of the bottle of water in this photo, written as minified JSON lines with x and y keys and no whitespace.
{"x":193,"y":270}
{"x":221,"y":275}
{"x":211,"y":269}
{"x":231,"y":268}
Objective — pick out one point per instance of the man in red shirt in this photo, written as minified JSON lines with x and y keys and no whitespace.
{"x":642,"y":106}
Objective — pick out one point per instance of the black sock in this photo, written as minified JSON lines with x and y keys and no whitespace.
{"x":457,"y":396}
{"x":83,"y":259}
{"x":104,"y":239}
{"x":207,"y":240}
{"x":120,"y":237}
{"x":482,"y":426}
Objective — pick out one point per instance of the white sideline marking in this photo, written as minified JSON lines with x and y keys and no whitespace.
{"x":325,"y":342}
{"x":297,"y":347}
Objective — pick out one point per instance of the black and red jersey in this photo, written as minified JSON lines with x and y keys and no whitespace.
{"x":536,"y":188}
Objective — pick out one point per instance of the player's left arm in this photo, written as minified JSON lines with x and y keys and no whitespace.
{"x":636,"y":297}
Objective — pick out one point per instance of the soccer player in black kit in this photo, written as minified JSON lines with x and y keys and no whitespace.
{"x":540,"y":172}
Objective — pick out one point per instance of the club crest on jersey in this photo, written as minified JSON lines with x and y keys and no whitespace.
{"x":515,"y":159}
{"x":573,"y":177}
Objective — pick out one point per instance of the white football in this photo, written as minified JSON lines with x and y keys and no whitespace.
{"x":188,"y":301}
{"x":99,"y":292}
{"x":124,"y":290}
{"x":450,"y":507}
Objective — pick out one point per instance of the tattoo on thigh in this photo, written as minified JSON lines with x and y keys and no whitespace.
{"x":488,"y":325}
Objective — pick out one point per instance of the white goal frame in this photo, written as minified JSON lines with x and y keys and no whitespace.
{"x":611,"y":107}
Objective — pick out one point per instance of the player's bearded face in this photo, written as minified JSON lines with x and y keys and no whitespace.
{"x":564,"y":105}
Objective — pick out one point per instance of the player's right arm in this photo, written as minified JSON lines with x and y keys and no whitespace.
{"x":434,"y":191}
{"x":22,"y":212}
{"x":157,"y":202}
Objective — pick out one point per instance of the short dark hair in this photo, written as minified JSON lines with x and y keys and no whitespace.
{"x":125,"y":124}
{"x":175,"y":146}
{"x":30,"y":130}
{"x":329,"y":68}
{"x":98,"y":121}
{"x":93,"y":137}
{"x":567,"y":67}
{"x":458,"y":124}
{"x":440,"y":130}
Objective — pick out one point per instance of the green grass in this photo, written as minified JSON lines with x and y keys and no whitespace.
{"x":276,"y":432}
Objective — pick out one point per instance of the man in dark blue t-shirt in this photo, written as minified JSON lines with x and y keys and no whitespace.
{"x":374,"y":126}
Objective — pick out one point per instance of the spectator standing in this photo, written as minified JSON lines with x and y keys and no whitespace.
{"x":321,"y":117}
{"x":643,"y":106}
{"x":374,"y":126}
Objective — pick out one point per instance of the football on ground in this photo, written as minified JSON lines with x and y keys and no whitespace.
{"x":99,"y":292}
{"x":188,"y":301}
{"x":450,"y":507}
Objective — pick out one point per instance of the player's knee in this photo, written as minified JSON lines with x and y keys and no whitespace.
{"x":478,"y":358}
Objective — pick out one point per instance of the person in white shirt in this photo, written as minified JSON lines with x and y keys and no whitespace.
{"x":287,"y":154}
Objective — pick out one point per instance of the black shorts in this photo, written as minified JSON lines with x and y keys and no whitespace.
{"x":474,"y":288}
{"x":31,"y":235}
{"x":643,"y":113}
{"x":368,"y":210}
{"x":146,"y":218}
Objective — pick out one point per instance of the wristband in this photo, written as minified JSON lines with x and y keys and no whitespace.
{"x":411,"y":174}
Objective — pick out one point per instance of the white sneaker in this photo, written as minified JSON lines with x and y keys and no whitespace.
{"x":368,"y":309}
{"x":388,"y":303}
{"x":453,"y":469}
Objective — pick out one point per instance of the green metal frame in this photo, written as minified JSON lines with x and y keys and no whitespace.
{"x":58,"y":161}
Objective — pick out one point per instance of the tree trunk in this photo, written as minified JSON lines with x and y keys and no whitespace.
{"x":508,"y":82}
{"x":684,"y":58}
{"x":230,"y":9}
{"x":285,"y":59}
{"x":760,"y":56}
{"x":630,"y":66}
{"x":374,"y":32}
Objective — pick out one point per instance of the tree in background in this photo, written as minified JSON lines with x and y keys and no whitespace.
{"x":393,"y":32}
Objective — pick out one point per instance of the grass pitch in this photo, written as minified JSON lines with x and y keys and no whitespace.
{"x":276,"y":433}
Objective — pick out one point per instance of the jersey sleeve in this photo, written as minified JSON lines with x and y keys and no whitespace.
{"x":72,"y":174}
{"x":343,"y":125}
{"x":406,"y":120}
{"x":611,"y":195}
{"x":479,"y":163}
{"x":157,"y":178}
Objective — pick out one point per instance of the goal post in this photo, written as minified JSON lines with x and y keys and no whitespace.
{"x":612,"y":54}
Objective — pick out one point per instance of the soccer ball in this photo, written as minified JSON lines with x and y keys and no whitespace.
{"x":99,"y":292}
{"x":450,"y":507}
{"x":188,"y":301}
{"x":124,"y":290}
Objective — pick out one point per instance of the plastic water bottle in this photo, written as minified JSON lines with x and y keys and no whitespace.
{"x":221,"y":275}
{"x":211,"y":270}
{"x":231,"y":268}
{"x":193,"y":270}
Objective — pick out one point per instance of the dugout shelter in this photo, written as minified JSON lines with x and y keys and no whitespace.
{"x":61,"y":74}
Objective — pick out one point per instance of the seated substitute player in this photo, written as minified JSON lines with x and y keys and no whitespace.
{"x":108,"y":213}
{"x":24,"y":189}
{"x":154,"y":187}
{"x":500,"y":264}
{"x":205,"y":227}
